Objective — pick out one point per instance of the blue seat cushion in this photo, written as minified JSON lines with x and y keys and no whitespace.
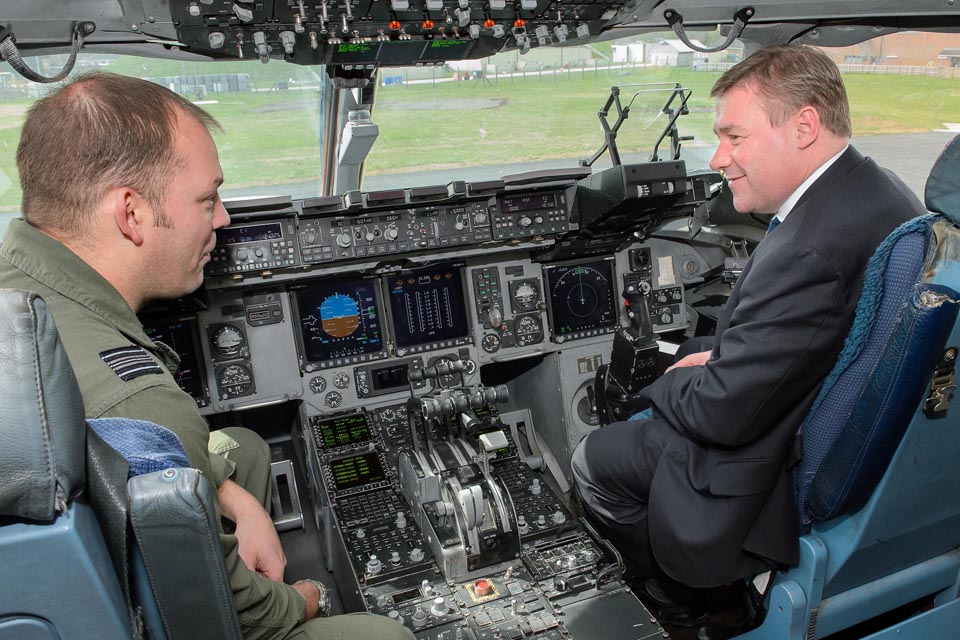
{"x":147,"y":447}
{"x":890,"y":280}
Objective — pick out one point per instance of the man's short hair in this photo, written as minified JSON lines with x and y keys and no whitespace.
{"x":790,"y":77}
{"x":99,"y":132}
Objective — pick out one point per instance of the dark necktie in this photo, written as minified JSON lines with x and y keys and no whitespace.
{"x":773,"y":224}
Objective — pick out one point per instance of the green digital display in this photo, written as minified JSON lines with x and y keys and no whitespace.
{"x":446,"y":49}
{"x":355,"y":52}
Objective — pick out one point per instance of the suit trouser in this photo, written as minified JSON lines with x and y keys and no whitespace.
{"x":613,"y":469}
{"x":252,"y":457}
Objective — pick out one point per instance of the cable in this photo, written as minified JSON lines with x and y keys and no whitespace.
{"x":740,"y":20}
{"x":10,"y":53}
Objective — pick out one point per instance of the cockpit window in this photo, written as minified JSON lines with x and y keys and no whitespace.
{"x":483,"y":119}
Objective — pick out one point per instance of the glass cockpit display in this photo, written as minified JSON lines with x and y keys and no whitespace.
{"x":340,"y":319}
{"x":582,"y":299}
{"x":428,"y":308}
{"x":181,"y":336}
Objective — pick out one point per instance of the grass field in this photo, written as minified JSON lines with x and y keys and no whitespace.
{"x":272,"y":137}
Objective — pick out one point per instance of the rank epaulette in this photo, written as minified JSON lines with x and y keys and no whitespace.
{"x":130,"y":362}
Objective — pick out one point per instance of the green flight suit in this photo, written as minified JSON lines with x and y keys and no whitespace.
{"x":123,"y":373}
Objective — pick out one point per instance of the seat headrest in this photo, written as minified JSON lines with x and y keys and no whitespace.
{"x":42,"y":426}
{"x":942,"y":194}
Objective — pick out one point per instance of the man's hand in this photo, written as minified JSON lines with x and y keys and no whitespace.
{"x":257,"y":542}
{"x":692,"y":360}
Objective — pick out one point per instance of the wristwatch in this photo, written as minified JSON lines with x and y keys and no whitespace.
{"x":323,"y":605}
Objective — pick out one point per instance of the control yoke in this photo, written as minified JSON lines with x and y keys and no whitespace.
{"x":634,"y":361}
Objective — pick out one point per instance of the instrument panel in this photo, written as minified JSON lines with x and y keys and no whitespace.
{"x":438,"y":347}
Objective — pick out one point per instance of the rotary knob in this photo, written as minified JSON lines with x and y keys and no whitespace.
{"x":369,"y":236}
{"x":242,"y":256}
{"x":419,"y":617}
{"x":524,"y":221}
{"x":374,"y":566}
{"x":344,"y":240}
{"x":391,"y":233}
{"x":439,"y":607}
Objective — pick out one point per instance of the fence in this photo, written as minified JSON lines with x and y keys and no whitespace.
{"x":879,"y":69}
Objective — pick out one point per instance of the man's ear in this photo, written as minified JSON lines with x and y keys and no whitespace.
{"x":807,"y":122}
{"x":129,"y":213}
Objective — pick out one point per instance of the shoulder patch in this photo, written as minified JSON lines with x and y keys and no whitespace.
{"x":130,"y":362}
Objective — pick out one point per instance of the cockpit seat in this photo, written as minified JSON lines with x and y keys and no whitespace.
{"x":877,"y":487}
{"x":65,"y":504}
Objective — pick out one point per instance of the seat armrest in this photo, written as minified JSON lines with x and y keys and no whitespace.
{"x":175,"y":529}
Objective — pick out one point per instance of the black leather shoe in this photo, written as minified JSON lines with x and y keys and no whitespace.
{"x":690,"y":612}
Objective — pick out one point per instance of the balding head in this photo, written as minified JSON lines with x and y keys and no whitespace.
{"x":99,"y":132}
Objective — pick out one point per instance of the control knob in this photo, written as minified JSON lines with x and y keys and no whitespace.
{"x":242,"y":256}
{"x":524,"y":221}
{"x":558,"y":517}
{"x":391,"y":233}
{"x":535,"y":487}
{"x":361,"y":533}
{"x":395,"y":558}
{"x":369,"y":236}
{"x":419,"y":617}
{"x":522,"y":527}
{"x":374,"y":566}
{"x":416,"y":555}
{"x":439,"y":607}
{"x":401,"y":520}
{"x":344,"y":240}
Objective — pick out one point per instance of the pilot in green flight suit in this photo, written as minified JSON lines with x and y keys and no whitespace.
{"x":129,"y":246}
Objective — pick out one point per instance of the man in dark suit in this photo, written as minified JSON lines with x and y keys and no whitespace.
{"x":702,"y":493}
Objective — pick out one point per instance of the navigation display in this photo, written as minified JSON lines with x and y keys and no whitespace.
{"x":357,"y":471}
{"x":340,"y":431}
{"x":181,"y":336}
{"x":582,"y":299}
{"x":339,"y":319}
{"x":427,"y":306}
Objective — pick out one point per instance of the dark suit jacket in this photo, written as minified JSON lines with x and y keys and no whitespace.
{"x":721,"y":503}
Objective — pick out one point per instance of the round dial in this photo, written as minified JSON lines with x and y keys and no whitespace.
{"x":228,"y":340}
{"x":234,"y":380}
{"x":529,"y":329}
{"x":526,"y":296}
{"x":333,"y":399}
{"x":490,"y":343}
{"x":341,"y":380}
{"x":318,"y":384}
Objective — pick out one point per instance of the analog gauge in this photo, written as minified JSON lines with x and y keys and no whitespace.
{"x":318,"y":384}
{"x":528,"y":329}
{"x":526,"y":296}
{"x":490,"y":343}
{"x":333,"y":399}
{"x":341,"y":380}
{"x":234,"y":380}
{"x":228,"y":341}
{"x":448,"y":380}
